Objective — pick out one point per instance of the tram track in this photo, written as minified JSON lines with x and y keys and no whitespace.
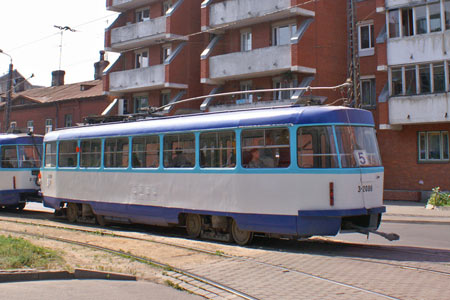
{"x":209,"y":252}
{"x":242,"y":259}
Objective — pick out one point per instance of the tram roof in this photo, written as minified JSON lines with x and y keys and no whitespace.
{"x":220,"y":120}
{"x":13,"y":139}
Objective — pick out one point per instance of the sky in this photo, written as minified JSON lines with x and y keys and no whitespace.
{"x":28,"y":35}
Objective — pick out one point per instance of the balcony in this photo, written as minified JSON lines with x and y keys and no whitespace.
{"x":417,"y":109}
{"x":256,"y":63}
{"x":124,"y":5}
{"x":137,"y":79}
{"x":418,"y":48}
{"x":237,"y":13}
{"x":141,"y":34}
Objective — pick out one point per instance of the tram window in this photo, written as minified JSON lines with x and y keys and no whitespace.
{"x":9,"y":157}
{"x":316,"y":148}
{"x":50,"y":154}
{"x":116,"y":153}
{"x":218,"y":149}
{"x":29,"y":156}
{"x":358,"y":146}
{"x":67,"y":155}
{"x":179,"y":150}
{"x":266,"y":148}
{"x":91,"y":151}
{"x":145,"y":152}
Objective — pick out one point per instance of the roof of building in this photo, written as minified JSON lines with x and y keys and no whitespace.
{"x":79,"y":90}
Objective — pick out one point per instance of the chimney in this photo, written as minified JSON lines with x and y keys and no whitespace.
{"x":100,"y":66}
{"x":58,"y":77}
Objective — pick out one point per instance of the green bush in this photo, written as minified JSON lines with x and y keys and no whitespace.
{"x":439,"y":198}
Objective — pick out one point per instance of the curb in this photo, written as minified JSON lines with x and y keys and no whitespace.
{"x":31,"y":275}
{"x":416,"y":221}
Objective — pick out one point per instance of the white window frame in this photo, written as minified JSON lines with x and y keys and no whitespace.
{"x":13,"y":125}
{"x":68,"y":120}
{"x":246,"y":86}
{"x":441,"y":146}
{"x":246,"y":40}
{"x":371,"y":49}
{"x":372,"y":81}
{"x":278,"y":82}
{"x":165,"y":95}
{"x":141,"y":60}
{"x":48,"y":125}
{"x":276,"y":32}
{"x":166,"y":51}
{"x":30,"y":125}
{"x":140,"y":14}
{"x":138,"y":100}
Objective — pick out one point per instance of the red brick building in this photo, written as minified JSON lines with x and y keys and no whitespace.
{"x":405,"y":83}
{"x":173,"y":50}
{"x":160,"y":46}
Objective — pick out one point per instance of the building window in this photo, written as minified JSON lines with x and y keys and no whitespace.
{"x":166,"y":51}
{"x":48,"y":125}
{"x":140,"y":101}
{"x":368,"y":94}
{"x":165,"y":98}
{"x":142,"y":15}
{"x":68,"y":120}
{"x":396,"y":81}
{"x":410,"y":80}
{"x":424,"y":78}
{"x":13,"y":125}
{"x":433,"y":146}
{"x":246,"y":40}
{"x":421,"y":19}
{"x":30,"y":126}
{"x":394,"y":23}
{"x":281,"y":35}
{"x":434,"y":11}
{"x":407,"y":22}
{"x":438,"y":77}
{"x":141,"y":59}
{"x":280,"y":83}
{"x":245,"y":98}
{"x":166,"y":6}
{"x":366,"y":39}
{"x":447,"y":14}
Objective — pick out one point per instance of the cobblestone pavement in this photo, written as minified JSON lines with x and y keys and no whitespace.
{"x":285,"y":275}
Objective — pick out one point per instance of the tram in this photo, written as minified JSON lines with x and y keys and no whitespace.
{"x":19,"y":169}
{"x":293,"y":171}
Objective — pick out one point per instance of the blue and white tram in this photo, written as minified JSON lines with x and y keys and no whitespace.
{"x":19,"y":169}
{"x":288,"y":171}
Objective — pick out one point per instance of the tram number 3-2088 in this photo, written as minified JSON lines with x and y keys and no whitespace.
{"x":365,"y":188}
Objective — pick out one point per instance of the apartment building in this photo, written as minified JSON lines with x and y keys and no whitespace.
{"x":404,"y":52}
{"x":160,"y":44}
{"x":264,"y":44}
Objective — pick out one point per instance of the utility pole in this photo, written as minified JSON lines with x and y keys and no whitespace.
{"x":353,"y":92}
{"x":8,"y":92}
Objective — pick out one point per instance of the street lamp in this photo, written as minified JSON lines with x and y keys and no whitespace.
{"x":8,"y":92}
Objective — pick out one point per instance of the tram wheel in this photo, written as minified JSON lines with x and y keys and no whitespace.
{"x":101,"y":220}
{"x":21,"y":206}
{"x":193,"y":225}
{"x":241,"y":237}
{"x":72,"y":212}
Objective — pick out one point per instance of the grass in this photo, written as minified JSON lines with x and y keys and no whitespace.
{"x":17,"y":253}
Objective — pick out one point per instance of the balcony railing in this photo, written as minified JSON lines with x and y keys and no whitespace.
{"x":138,"y":34}
{"x":137,"y":79}
{"x":260,"y":62}
{"x":236,"y":12}
{"x":430,"y":108}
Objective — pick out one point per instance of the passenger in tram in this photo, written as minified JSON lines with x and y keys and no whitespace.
{"x":255,"y":161}
{"x":180,"y":160}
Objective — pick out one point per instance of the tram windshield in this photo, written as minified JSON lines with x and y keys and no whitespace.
{"x":22,"y":156}
{"x":357,"y":146}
